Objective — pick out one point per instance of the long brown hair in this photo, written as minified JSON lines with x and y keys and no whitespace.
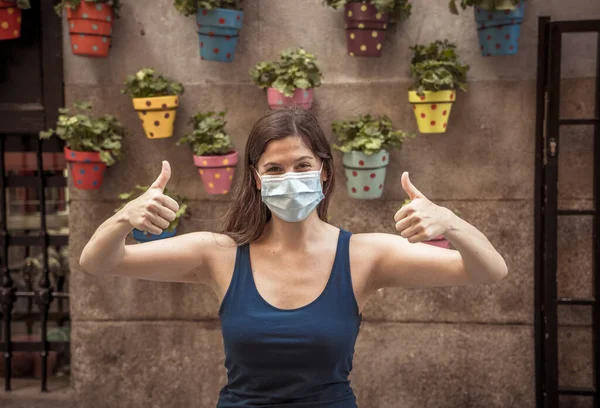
{"x":248,"y":215}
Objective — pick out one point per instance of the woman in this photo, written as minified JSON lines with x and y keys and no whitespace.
{"x":291,"y":286}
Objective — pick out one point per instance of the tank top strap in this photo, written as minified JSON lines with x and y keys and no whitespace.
{"x":342,"y":275}
{"x":239,"y":280}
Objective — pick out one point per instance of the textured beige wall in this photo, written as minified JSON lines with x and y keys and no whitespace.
{"x":138,"y":343}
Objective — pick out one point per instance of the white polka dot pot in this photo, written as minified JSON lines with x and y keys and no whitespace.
{"x":86,"y":168}
{"x":10,"y":20}
{"x":365,"y":173}
{"x":499,"y":30}
{"x":157,"y":115}
{"x":365,"y":29}
{"x":217,"y":172}
{"x":141,"y":236}
{"x":432,"y":110}
{"x":302,"y":98}
{"x":90,"y":27}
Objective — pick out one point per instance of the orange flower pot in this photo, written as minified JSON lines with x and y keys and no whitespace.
{"x":157,"y":115}
{"x":217,"y":172}
{"x":90,"y":26}
{"x":10,"y":20}
{"x":86,"y":168}
{"x":432,"y":110}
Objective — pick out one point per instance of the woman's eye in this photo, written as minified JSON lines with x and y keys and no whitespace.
{"x":272,"y":169}
{"x":305,"y":166}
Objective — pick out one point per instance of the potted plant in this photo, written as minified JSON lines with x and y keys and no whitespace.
{"x":366,"y":142}
{"x":155,"y":98}
{"x":438,"y":75}
{"x":10,"y":18}
{"x":498,"y":24}
{"x":141,"y":236}
{"x":212,"y":151}
{"x":289,"y":81}
{"x":439,"y":241}
{"x":366,"y":23}
{"x":219,"y":23}
{"x":91,"y":144}
{"x":90,"y":24}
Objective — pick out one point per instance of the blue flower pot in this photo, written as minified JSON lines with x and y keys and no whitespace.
{"x":140,"y":237}
{"x":499,"y":30}
{"x":365,"y":174}
{"x":219,"y":30}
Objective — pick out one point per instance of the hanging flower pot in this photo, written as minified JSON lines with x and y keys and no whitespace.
{"x":92,"y":144}
{"x":289,"y":81}
{"x":499,"y":30}
{"x":219,"y":31}
{"x":365,"y":142}
{"x":432,"y":110}
{"x":141,"y":236}
{"x":10,"y":18}
{"x":439,"y":242}
{"x":144,"y":236}
{"x":90,"y":25}
{"x":301,"y":97}
{"x":438,"y":73}
{"x":365,"y":173}
{"x":155,"y":98}
{"x":366,"y":23}
{"x":216,"y":172}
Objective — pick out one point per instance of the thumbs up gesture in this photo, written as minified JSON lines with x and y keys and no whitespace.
{"x":153,"y":211}
{"x":420,"y":220}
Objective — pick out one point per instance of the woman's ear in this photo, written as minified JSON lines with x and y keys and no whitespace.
{"x":256,"y":178}
{"x":324,"y":173}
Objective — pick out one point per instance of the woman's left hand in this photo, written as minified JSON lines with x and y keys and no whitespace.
{"x":421,"y":220}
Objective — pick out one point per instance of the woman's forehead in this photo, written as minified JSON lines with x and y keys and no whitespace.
{"x":286,"y":148}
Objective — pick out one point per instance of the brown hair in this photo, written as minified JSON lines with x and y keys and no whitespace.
{"x":248,"y":215}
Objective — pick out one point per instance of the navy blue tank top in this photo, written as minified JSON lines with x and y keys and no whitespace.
{"x":297,"y":358}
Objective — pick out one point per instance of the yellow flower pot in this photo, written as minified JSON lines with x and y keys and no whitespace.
{"x":432,"y":110}
{"x":157,"y":115}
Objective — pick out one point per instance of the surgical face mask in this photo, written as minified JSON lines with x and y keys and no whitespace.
{"x":292,"y":196}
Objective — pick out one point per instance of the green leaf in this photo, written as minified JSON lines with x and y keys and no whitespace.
{"x":208,"y":136}
{"x":436,"y":67}
{"x":148,"y":83}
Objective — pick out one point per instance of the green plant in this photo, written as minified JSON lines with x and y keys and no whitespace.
{"x":208,"y":137}
{"x":436,"y":68}
{"x":73,"y":4}
{"x":84,"y":134}
{"x":147,"y":83}
{"x":23,"y":4}
{"x":398,"y":9}
{"x":190,"y":7}
{"x":139,"y":190}
{"x":296,"y":68}
{"x":485,"y":4}
{"x":368,"y":134}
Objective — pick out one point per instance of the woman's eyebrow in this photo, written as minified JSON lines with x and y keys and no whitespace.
{"x":297,"y":160}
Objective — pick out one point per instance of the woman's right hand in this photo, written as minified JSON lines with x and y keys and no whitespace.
{"x":153,"y":211}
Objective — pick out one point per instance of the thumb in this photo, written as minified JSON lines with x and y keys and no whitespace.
{"x":410,"y":189}
{"x":165,"y":174}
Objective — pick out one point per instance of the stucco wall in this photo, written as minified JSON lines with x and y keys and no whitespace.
{"x":138,"y":343}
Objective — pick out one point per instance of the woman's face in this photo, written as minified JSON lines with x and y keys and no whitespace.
{"x":288,"y":154}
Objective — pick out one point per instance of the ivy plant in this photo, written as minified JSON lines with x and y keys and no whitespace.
{"x":368,"y":134}
{"x":148,"y":83}
{"x":84,"y":134}
{"x":398,"y":9}
{"x":190,"y":7}
{"x":23,"y":4}
{"x":491,"y":5}
{"x":208,"y":136}
{"x":139,"y":190}
{"x":436,"y":67}
{"x":295,"y":69}
{"x":73,"y":4}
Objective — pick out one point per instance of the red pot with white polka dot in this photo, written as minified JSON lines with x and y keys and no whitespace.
{"x":10,"y":20}
{"x":302,"y":98}
{"x":90,"y":26}
{"x":87,"y":169}
{"x":365,"y":173}
{"x":217,"y":172}
{"x":365,"y":29}
{"x":432,"y":109}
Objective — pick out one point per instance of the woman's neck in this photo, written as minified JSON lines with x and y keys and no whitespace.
{"x":294,"y":234}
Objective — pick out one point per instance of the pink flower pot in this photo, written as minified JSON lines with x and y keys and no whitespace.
{"x":439,"y":242}
{"x":302,"y":98}
{"x":217,"y":172}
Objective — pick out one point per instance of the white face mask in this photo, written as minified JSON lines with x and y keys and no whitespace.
{"x":292,"y":196}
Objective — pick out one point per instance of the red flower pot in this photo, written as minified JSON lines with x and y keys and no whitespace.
{"x":302,"y":98}
{"x":365,"y":29}
{"x":217,"y":172}
{"x":10,"y":20}
{"x":439,"y":242}
{"x":87,"y":169}
{"x":90,"y":26}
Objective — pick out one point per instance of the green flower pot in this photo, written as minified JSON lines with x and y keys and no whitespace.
{"x":365,"y":173}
